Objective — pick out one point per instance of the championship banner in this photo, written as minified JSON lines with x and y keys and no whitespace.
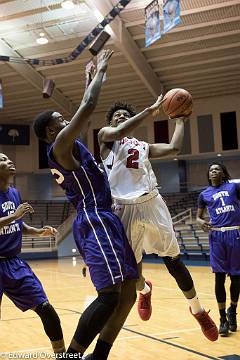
{"x":152,"y":23}
{"x":171,"y":14}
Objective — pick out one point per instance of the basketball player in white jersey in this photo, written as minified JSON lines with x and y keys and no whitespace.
{"x":139,"y":205}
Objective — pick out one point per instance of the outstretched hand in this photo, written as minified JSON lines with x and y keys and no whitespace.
{"x":22,"y":210}
{"x":154,"y":109}
{"x":48,"y":231}
{"x":104,"y":59}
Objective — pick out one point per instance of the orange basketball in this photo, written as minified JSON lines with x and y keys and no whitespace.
{"x":178,"y":102}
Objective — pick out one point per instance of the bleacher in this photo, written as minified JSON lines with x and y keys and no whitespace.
{"x":48,"y":212}
{"x":51,"y":213}
{"x":192,"y":240}
{"x":181,"y":201}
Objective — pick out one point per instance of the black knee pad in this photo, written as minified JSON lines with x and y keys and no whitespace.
{"x":110,"y":299}
{"x":95,"y":317}
{"x":50,"y":320}
{"x":179,"y":271}
{"x":235,"y":279}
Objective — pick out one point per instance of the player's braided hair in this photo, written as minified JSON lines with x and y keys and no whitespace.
{"x":119,"y":106}
{"x":224,"y":170}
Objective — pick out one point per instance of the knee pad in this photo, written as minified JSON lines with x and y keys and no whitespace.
{"x":95,"y":317}
{"x":111,"y":299}
{"x":235,"y":279}
{"x":50,"y":320}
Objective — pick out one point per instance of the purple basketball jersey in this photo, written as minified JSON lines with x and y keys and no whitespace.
{"x":10,"y":235}
{"x":17,"y":280}
{"x":86,"y":187}
{"x":222,"y":203}
{"x":98,"y":233}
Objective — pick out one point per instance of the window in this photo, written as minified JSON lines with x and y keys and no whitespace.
{"x":229,"y":130}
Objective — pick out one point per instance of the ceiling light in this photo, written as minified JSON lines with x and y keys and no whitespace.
{"x":42,"y":39}
{"x":67,"y":4}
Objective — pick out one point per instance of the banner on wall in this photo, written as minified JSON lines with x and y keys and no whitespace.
{"x":171,"y":14}
{"x":152,"y":23}
{"x":11,"y":134}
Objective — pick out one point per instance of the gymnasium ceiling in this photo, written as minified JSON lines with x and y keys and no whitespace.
{"x":201,"y":54}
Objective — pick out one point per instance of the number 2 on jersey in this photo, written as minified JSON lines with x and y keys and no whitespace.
{"x":132,"y":160}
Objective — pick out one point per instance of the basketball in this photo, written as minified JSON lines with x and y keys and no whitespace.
{"x":178,"y":102}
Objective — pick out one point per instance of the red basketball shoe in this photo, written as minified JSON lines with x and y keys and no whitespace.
{"x":144,"y":304}
{"x":208,"y":326}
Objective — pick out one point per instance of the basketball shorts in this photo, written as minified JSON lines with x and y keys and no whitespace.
{"x":20,"y":284}
{"x":102,"y":242}
{"x":148,"y":225}
{"x":225,"y":251}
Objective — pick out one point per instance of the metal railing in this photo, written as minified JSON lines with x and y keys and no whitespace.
{"x":182,"y":217}
{"x":38,"y":244}
{"x":65,"y":228}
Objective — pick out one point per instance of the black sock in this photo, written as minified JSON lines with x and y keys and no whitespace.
{"x":223,"y":313}
{"x":233,"y":307}
{"x":101,"y":350}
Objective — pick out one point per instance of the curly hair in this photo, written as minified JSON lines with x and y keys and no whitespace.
{"x":224,"y":170}
{"x":41,"y":122}
{"x":119,"y":106}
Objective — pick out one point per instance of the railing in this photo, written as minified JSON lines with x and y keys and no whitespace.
{"x":182,"y":216}
{"x":38,"y":244}
{"x":65,"y":228}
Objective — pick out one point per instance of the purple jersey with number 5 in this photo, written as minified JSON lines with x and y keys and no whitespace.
{"x":98,"y":232}
{"x":86,"y":187}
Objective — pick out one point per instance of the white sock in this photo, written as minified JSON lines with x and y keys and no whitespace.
{"x":196,"y":307}
{"x":145,"y":290}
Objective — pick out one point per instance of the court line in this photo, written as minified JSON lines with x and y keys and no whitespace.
{"x":172,"y":344}
{"x":27,"y":350}
{"x":175,"y":289}
{"x":62,"y":273}
{"x":155,"y":286}
{"x":156,"y":334}
{"x":139,"y":334}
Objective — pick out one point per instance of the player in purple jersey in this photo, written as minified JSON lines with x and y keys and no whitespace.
{"x":17,"y":280}
{"x":222,"y":199}
{"x":98,"y":233}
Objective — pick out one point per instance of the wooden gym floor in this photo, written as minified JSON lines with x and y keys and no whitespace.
{"x":171,"y":333}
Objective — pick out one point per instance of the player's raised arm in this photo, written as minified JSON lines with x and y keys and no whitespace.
{"x":123,"y":124}
{"x":68,"y":134}
{"x":175,"y":145}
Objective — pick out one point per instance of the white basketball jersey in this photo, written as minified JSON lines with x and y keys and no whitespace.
{"x":129,"y":170}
